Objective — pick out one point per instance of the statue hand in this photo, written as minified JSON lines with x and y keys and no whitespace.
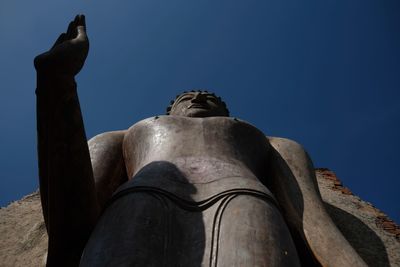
{"x":68,"y":54}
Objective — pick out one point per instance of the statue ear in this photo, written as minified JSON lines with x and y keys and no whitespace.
{"x":295,"y":186}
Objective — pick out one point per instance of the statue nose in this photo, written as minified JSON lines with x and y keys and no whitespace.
{"x":198,"y":98}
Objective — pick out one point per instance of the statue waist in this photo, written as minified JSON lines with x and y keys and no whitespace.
{"x":162,"y":178}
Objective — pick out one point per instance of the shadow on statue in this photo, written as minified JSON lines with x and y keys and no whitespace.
{"x":363,"y":239}
{"x":160,"y":228}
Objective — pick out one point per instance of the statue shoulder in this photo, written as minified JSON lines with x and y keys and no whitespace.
{"x":285,"y":146}
{"x":106,"y":140}
{"x":108,"y":164}
{"x":295,"y":157}
{"x":151,"y":120}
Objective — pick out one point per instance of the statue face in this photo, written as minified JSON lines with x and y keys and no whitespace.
{"x":198,"y":104}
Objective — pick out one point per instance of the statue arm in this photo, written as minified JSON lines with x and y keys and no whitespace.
{"x":295,"y":186}
{"x":66,"y":181}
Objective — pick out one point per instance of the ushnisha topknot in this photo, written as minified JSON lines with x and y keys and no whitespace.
{"x":193,"y":91}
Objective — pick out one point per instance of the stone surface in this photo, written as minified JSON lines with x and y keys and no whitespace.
{"x":371,"y":233}
{"x":23,"y":238}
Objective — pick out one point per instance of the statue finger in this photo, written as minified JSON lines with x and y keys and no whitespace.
{"x":71,"y":30}
{"x":80,"y":20}
{"x":81,"y":33}
{"x":59,"y":40}
{"x":81,"y":27}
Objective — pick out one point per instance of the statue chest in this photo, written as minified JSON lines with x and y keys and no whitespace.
{"x":198,"y":146}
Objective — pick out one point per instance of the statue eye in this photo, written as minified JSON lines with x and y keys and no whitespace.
{"x":184,"y":98}
{"x":213,"y":99}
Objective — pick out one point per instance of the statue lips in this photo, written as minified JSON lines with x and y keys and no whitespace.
{"x":197,"y":105}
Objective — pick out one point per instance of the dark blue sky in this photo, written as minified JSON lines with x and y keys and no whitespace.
{"x":324,"y":73}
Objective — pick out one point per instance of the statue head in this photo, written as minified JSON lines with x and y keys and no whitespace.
{"x":198,"y":104}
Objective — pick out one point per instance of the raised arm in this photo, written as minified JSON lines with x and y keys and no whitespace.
{"x":67,"y":187}
{"x":295,"y":186}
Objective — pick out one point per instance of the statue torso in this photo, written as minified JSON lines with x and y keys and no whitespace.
{"x":203,"y":149}
{"x":195,"y":185}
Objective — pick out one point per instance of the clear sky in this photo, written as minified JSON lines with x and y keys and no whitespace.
{"x":324,"y":73}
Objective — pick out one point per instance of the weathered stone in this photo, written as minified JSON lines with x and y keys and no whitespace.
{"x":361,"y":223}
{"x":23,"y":236}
